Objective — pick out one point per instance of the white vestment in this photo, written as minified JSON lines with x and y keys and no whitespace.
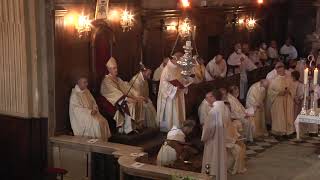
{"x":147,"y":112}
{"x":213,"y":136}
{"x":272,"y":53}
{"x":203,"y":111}
{"x":82,"y":122}
{"x":255,"y":99}
{"x":167,"y":154}
{"x":157,"y":73}
{"x":244,"y":66}
{"x":238,"y":112}
{"x":273,"y":74}
{"x":170,"y":103}
{"x":291,"y":51}
{"x":215,"y":70}
{"x":282,"y":106}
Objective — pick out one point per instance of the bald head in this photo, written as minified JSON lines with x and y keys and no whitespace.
{"x":82,"y":83}
{"x":219,"y":58}
{"x":264,"y":83}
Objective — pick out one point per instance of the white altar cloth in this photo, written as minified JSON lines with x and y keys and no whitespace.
{"x":305,"y":119}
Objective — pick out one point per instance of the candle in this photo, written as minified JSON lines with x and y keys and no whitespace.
{"x":305,"y":76}
{"x":315,"y":76}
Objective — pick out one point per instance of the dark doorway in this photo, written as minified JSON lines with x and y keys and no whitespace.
{"x":213,"y":46}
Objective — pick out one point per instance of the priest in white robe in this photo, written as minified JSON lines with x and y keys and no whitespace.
{"x":256,"y":100}
{"x":141,"y":86}
{"x":273,"y":74}
{"x":244,"y":64}
{"x":273,"y":50}
{"x":236,"y":148}
{"x":205,"y":106}
{"x":85,"y":118}
{"x":175,"y":144}
{"x":128,"y":103}
{"x":214,"y":159}
{"x":171,"y":104}
{"x":281,"y":94}
{"x":238,"y":112}
{"x":289,"y":50}
{"x":157,"y":73}
{"x":216,"y":68}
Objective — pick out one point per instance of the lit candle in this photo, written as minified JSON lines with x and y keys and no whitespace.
{"x":315,"y":76}
{"x":305,"y":76}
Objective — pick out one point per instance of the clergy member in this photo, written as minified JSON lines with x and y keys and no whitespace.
{"x":273,"y":51}
{"x":171,"y":105}
{"x":273,"y":74}
{"x":289,"y":50}
{"x":238,"y":112}
{"x":157,"y":73}
{"x":236,"y":148}
{"x":213,"y":135}
{"x":205,"y":107}
{"x":243,"y":64}
{"x":126,"y":100}
{"x":199,"y":70}
{"x":256,"y":100}
{"x":85,"y":118}
{"x":141,"y":86}
{"x":216,"y":68}
{"x":175,"y":146}
{"x":281,"y":96}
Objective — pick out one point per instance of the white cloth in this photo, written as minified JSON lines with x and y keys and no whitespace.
{"x":171,"y":103}
{"x":82,"y":122}
{"x":215,"y":70}
{"x":213,"y":136}
{"x":203,"y":111}
{"x":289,"y":50}
{"x":157,"y":73}
{"x":273,"y":53}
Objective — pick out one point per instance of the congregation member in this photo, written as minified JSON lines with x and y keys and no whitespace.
{"x":213,"y":136}
{"x":205,"y":106}
{"x":140,"y":84}
{"x":216,"y":68}
{"x":175,"y":146}
{"x":242,"y":64}
{"x":85,"y":118}
{"x":263,"y":57}
{"x":253,"y":55}
{"x":256,"y":100}
{"x":199,"y":70}
{"x":157,"y":73}
{"x":281,"y":97}
{"x":238,"y":112}
{"x":272,"y":51}
{"x":171,"y":104}
{"x":236,"y":149}
{"x":127,"y":101}
{"x":288,"y":50}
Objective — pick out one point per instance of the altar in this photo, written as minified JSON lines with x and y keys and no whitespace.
{"x":306,"y":119}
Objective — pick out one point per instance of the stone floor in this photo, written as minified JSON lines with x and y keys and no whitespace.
{"x":286,"y":160}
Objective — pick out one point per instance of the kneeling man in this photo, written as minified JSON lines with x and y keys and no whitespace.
{"x":85,"y":118}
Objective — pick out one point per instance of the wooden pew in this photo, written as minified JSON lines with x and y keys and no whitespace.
{"x":196,"y":92}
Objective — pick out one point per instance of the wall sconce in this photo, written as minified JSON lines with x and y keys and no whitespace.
{"x":251,"y":23}
{"x":81,"y":23}
{"x":185,"y":28}
{"x":126,"y":21}
{"x":173,"y":26}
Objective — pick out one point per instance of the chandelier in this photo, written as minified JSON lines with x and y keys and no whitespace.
{"x":126,"y":21}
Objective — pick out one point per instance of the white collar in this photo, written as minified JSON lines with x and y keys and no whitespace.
{"x":77,"y":89}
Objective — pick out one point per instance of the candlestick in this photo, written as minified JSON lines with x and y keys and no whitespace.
{"x":304,"y":107}
{"x":305,"y":76}
{"x":315,"y":76}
